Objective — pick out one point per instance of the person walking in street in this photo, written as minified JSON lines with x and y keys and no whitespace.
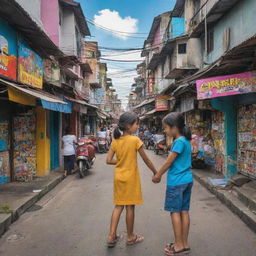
{"x":68,"y":146}
{"x":179,"y":181}
{"x":127,"y":186}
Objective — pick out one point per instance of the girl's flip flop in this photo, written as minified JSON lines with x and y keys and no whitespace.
{"x":136,"y":240}
{"x":171,"y":251}
{"x":186,"y":250}
{"x":112,"y":243}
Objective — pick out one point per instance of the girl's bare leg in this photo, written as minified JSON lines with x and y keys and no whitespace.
{"x":177,"y":227}
{"x":130,"y":221}
{"x":185,"y":227}
{"x":114,"y":221}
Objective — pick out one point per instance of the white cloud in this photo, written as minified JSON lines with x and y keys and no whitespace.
{"x":113,"y":21}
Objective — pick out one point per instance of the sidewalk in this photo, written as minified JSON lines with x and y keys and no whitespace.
{"x":241,"y":200}
{"x":19,"y":196}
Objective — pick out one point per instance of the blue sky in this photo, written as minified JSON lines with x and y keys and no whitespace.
{"x":131,"y":16}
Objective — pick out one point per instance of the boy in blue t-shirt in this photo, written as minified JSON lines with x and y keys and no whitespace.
{"x":179,"y":181}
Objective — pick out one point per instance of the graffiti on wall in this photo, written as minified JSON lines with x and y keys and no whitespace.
{"x":8,"y":51}
{"x":30,"y":66}
{"x":4,"y":167}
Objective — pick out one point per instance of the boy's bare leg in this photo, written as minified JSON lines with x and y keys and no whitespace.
{"x":177,"y":227}
{"x":114,"y":221}
{"x":130,"y":221}
{"x":185,"y":227}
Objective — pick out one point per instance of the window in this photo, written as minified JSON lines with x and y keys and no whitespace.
{"x":182,"y":48}
{"x":210,"y":41}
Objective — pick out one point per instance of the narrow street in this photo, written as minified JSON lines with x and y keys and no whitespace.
{"x":73,"y":220}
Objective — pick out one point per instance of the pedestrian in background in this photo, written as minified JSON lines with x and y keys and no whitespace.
{"x":68,"y":146}
{"x":127,"y":186}
{"x":179,"y":181}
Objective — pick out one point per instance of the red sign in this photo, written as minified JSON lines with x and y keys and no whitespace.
{"x":162,"y":103}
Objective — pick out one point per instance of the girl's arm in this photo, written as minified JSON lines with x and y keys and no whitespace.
{"x":172,"y":156}
{"x":110,"y":157}
{"x":146,"y":160}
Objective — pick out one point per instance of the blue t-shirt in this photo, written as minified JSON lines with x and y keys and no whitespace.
{"x":180,"y":171}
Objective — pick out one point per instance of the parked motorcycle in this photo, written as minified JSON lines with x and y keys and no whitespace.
{"x":159,"y":144}
{"x":85,"y":155}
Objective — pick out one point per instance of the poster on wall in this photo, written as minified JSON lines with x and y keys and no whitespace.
{"x":52,"y":72}
{"x":226,"y":85}
{"x":24,"y":146}
{"x":162,"y":103}
{"x":30,"y":66}
{"x":4,"y":167}
{"x":8,"y":51}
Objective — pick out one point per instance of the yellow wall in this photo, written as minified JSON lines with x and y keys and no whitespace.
{"x":42,"y":142}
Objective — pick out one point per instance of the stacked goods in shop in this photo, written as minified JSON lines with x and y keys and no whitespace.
{"x":247,"y":140}
{"x":218,"y":136}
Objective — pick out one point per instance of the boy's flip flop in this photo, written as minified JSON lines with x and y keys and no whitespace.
{"x":112,"y":243}
{"x":136,"y":240}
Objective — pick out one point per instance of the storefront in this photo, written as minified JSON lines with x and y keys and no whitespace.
{"x":5,"y":146}
{"x":233,"y":126}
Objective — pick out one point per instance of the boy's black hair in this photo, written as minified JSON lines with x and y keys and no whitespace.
{"x":127,"y":118}
{"x":177,"y":119}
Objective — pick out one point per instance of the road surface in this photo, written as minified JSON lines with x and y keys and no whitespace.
{"x":73,"y":220}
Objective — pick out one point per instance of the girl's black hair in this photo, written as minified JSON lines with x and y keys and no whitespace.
{"x":177,"y":119}
{"x":127,"y":118}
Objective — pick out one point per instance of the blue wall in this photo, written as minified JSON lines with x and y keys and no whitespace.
{"x":237,"y":19}
{"x":177,"y":27}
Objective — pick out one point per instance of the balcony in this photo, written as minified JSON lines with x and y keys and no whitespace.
{"x":186,"y":58}
{"x":153,"y":58}
{"x":212,"y":10}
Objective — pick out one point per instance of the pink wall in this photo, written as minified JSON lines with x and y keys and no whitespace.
{"x":50,"y":19}
{"x":157,"y":37}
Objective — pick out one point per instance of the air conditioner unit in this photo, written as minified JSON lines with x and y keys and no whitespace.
{"x":226,"y":39}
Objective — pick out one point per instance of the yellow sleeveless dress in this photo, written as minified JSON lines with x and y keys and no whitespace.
{"x":127,"y":187}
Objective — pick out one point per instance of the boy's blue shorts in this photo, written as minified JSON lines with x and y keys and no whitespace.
{"x":178,"y":198}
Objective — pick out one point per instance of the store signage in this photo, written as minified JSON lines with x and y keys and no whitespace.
{"x":30,"y":66}
{"x":52,"y":72}
{"x":162,"y":103}
{"x":187,"y":104}
{"x":226,"y":85}
{"x":8,"y":51}
{"x":151,"y":82}
{"x":100,"y":96}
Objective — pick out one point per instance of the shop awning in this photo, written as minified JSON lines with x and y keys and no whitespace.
{"x":28,"y":96}
{"x":145,"y":102}
{"x":82,"y":102}
{"x":102,"y":116}
{"x":151,"y":112}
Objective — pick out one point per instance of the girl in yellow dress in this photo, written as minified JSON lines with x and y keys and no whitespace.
{"x":127,"y":187}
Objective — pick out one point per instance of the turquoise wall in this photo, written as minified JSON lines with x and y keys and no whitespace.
{"x":241,"y":16}
{"x":228,"y":105}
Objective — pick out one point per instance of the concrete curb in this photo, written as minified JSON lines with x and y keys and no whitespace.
{"x":7,"y":219}
{"x":231,"y":201}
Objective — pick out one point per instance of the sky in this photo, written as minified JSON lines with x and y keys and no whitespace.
{"x":134,"y":17}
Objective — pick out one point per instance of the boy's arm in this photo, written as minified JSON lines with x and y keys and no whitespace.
{"x":172,"y":156}
{"x":146,"y":160}
{"x":110,"y":157}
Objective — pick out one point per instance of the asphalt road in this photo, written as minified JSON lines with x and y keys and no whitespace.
{"x":73,"y":220}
